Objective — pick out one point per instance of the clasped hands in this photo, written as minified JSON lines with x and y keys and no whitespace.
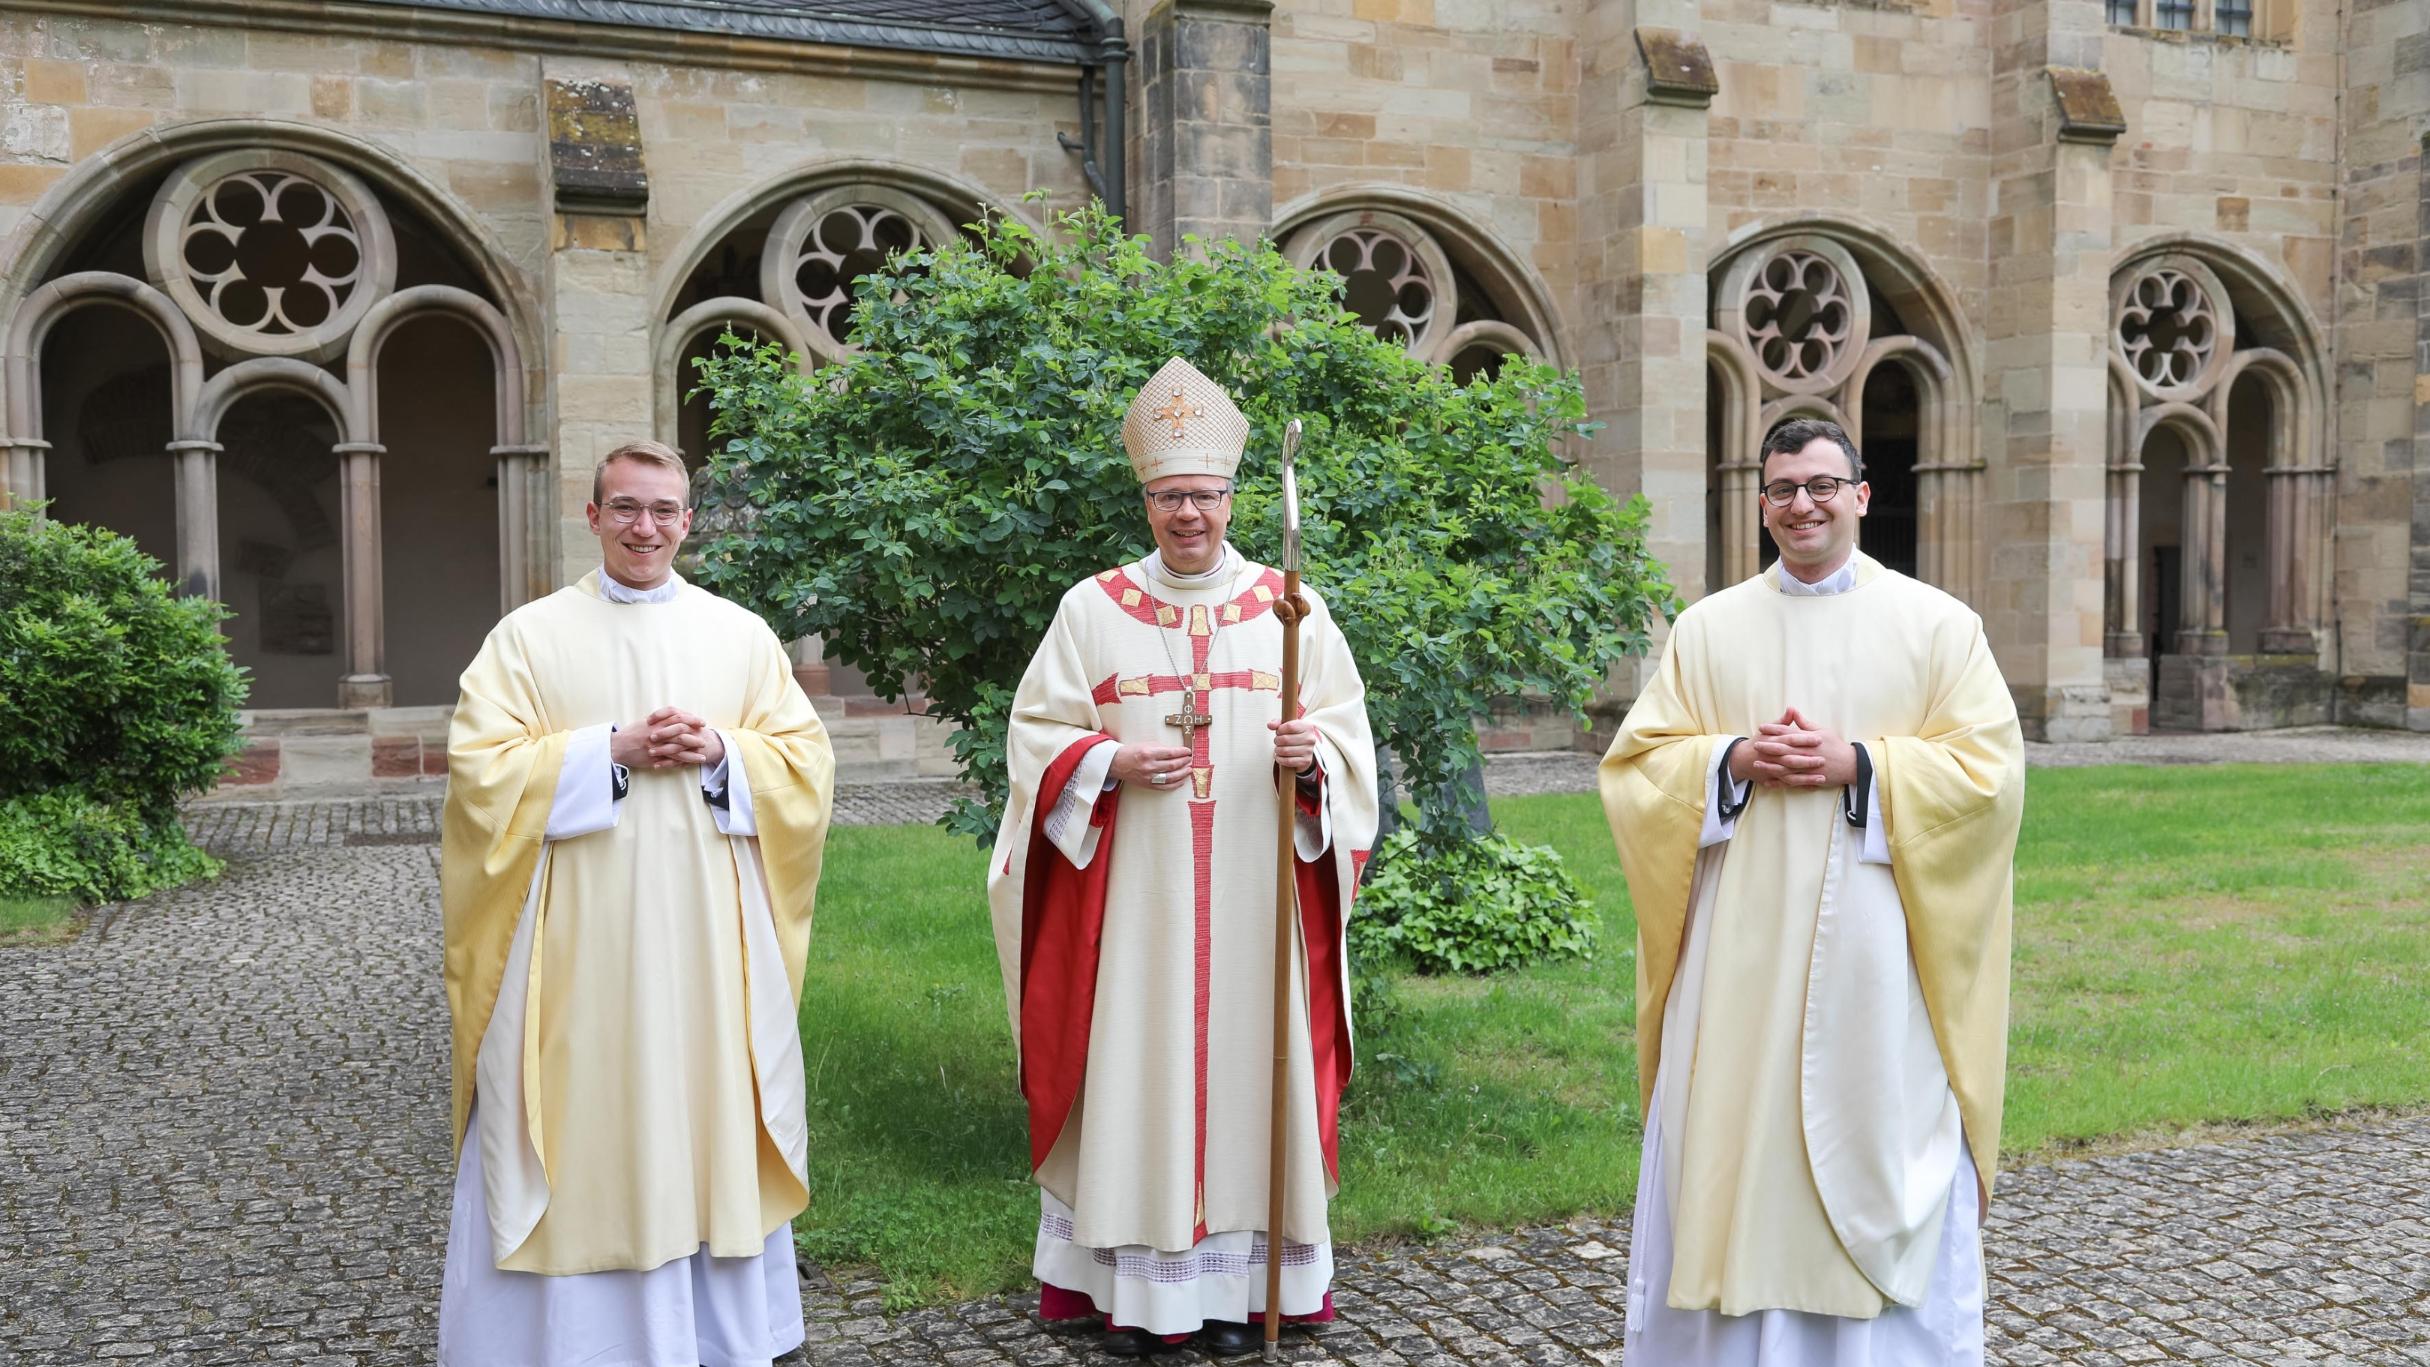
{"x":1162,"y":766}
{"x":1794,"y":753}
{"x":667,"y":737}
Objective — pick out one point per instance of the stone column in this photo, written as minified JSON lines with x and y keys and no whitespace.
{"x":2417,"y":561}
{"x":22,"y":471}
{"x":1643,"y":98}
{"x":2122,"y":631}
{"x":365,"y":684}
{"x":2046,"y":401}
{"x":525,"y":507}
{"x":197,"y":465}
{"x":2289,"y":626}
{"x":599,"y":296}
{"x":1206,"y":137}
{"x":2202,"y":591}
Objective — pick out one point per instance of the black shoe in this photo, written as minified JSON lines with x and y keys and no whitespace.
{"x":1133,"y":1343}
{"x":1226,"y":1339}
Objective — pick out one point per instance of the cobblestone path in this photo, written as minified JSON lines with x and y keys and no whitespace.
{"x":223,"y":1140}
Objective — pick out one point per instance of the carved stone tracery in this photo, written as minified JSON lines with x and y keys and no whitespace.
{"x":270,"y":253}
{"x":1801,"y":309}
{"x":822,"y":244}
{"x":2176,"y":358}
{"x":1400,"y":282}
{"x":2174,"y":327}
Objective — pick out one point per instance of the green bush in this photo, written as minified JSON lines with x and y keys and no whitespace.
{"x":117,"y":698}
{"x":63,"y":843}
{"x":923,"y":506}
{"x":1472,"y":906}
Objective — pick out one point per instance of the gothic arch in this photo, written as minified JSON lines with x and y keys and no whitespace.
{"x":1827,"y":278}
{"x":45,"y":307}
{"x":60,"y":219}
{"x":686,"y":327}
{"x":2192,"y":319}
{"x":217,"y":180}
{"x":1523,"y":302}
{"x":424,"y":301}
{"x":934,"y":186}
{"x":1732,"y":466}
{"x":264,"y":374}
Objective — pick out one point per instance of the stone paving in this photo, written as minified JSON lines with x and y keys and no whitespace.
{"x":223,"y":1140}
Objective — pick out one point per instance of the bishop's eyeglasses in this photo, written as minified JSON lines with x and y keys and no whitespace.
{"x":1204,"y":500}
{"x":1822,"y":489}
{"x":625,"y":512}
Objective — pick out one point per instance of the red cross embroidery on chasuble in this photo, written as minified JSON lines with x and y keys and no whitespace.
{"x":1197,"y":690}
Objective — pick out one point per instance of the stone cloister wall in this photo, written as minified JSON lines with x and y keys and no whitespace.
{"x":1588,"y":172}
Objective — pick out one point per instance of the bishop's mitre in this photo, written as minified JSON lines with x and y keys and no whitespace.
{"x":1183,"y":423}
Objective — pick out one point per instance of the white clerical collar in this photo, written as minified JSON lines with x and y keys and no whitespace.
{"x":617,"y":592}
{"x":1837,"y":581}
{"x":1226,"y":565}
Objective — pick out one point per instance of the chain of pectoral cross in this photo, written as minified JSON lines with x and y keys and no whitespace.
{"x":1189,"y":718}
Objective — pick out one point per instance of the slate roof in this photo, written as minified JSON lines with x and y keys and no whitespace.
{"x":1030,"y":30}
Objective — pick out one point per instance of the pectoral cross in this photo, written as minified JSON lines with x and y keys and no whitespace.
{"x":1189,"y":718}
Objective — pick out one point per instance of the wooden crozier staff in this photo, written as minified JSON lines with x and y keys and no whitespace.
{"x":1288,"y":610}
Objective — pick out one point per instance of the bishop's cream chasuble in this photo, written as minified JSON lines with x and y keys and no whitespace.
{"x":1848,"y":1019}
{"x":644,"y":1100}
{"x":1137,"y":971}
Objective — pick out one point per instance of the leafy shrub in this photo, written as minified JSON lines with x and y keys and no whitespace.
{"x":117,"y":698}
{"x":64,"y":843}
{"x":923,"y":506}
{"x":1470,"y":906}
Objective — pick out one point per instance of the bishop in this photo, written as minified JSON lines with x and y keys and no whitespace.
{"x":1132,"y":888}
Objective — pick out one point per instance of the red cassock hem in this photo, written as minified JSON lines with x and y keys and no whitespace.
{"x":1061,"y":1303}
{"x":1062,"y":922}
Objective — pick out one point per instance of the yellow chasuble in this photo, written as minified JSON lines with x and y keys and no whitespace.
{"x":1166,"y":1138}
{"x":645,"y":1096}
{"x":1798,"y":1143}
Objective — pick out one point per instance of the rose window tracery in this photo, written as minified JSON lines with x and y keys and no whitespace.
{"x":1798,"y":315}
{"x":271,"y":254}
{"x":1395,"y":278}
{"x":2172,"y":328}
{"x":1384,"y":283}
{"x":821,"y":246}
{"x":1800,"y":308}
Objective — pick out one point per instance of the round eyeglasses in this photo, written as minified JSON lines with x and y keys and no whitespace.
{"x":1822,"y":489}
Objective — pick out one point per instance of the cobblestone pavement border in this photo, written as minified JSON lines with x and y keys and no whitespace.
{"x":2306,"y":1248}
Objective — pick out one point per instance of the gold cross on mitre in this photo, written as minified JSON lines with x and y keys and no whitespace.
{"x":1174,"y":412}
{"x":1182,"y":423}
{"x":1189,"y":718}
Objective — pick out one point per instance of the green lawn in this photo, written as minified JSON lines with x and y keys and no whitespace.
{"x":2194,"y":945}
{"x":36,"y":920}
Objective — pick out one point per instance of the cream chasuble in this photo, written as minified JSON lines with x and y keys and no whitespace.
{"x":1850,"y":1018}
{"x":1140,"y":1002}
{"x":646,"y":1100}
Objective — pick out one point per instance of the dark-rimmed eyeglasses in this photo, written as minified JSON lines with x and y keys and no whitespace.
{"x":1780,"y":493}
{"x":624,"y":512}
{"x":1204,"y":500}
